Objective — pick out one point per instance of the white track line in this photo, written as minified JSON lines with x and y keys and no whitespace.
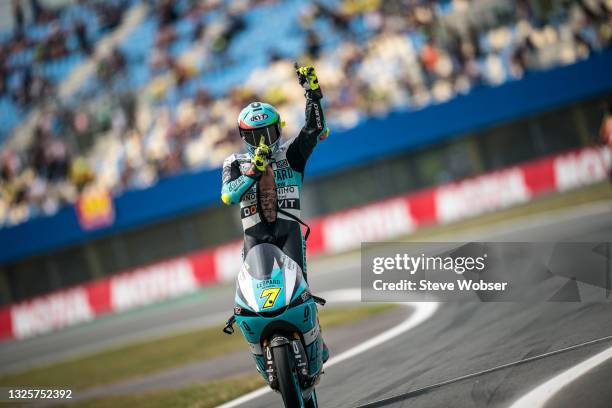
{"x":422,"y":312}
{"x":538,"y":397}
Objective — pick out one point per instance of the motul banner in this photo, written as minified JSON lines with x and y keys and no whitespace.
{"x":348,"y":229}
{"x":51,"y":312}
{"x":153,"y":283}
{"x":472,"y":197}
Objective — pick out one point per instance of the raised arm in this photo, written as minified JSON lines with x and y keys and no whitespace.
{"x":314,"y":127}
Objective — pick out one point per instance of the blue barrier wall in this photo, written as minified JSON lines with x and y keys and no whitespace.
{"x":397,"y":132}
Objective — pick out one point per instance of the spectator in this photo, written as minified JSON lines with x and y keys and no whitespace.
{"x":54,"y":46}
{"x":313,"y":45}
{"x":429,"y":57}
{"x":111,"y":66}
{"x":80,"y":174}
{"x":81,"y":33}
{"x":110,"y":16}
{"x":37,"y":10}
{"x":18,"y":16}
{"x":166,"y":13}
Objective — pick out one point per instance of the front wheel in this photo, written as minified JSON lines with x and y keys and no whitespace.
{"x":312,"y":402}
{"x":287,"y":381}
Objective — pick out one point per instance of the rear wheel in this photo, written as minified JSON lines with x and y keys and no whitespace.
{"x":287,"y":381}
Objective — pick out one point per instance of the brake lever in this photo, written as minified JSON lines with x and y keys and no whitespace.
{"x":229,"y":325}
{"x":319,"y":300}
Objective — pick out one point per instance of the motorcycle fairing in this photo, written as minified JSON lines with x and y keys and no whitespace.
{"x":272,"y":295}
{"x":268,"y":280}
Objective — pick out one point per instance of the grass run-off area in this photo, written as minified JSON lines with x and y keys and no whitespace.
{"x":206,"y":395}
{"x":143,"y":358}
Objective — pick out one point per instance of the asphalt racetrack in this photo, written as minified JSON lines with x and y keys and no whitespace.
{"x":464,"y":355}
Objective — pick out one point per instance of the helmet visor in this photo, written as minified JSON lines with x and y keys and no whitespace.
{"x":270,"y":135}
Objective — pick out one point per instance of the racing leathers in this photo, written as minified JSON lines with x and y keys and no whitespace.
{"x":270,"y":200}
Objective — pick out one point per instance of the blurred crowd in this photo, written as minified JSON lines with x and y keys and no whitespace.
{"x":372,"y":56}
{"x":49,"y":36}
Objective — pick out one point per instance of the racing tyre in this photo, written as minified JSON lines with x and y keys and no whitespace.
{"x":287,"y":381}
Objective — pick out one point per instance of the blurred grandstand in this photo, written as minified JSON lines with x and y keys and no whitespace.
{"x":115,"y":95}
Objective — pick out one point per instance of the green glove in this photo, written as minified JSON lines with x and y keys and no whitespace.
{"x":307,"y":77}
{"x":260,"y":160}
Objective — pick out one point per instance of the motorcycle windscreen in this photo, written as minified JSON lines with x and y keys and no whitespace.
{"x":268,"y":278}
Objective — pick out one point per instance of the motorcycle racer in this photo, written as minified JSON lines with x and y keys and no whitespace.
{"x":267,"y":180}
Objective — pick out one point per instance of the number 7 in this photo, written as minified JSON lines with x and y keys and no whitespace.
{"x":271,"y":294}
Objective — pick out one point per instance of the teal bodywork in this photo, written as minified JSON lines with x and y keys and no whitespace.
{"x":272,"y":296}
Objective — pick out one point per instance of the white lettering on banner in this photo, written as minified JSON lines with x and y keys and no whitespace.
{"x":51,"y":312}
{"x":479,"y":195}
{"x":583,"y":168}
{"x":371,"y":223}
{"x":151,"y":284}
{"x":228,"y":261}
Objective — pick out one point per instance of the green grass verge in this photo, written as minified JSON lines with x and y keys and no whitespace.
{"x":210,"y":394}
{"x":148,"y":357}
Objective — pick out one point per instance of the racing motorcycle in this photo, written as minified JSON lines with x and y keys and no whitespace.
{"x":277,"y":315}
